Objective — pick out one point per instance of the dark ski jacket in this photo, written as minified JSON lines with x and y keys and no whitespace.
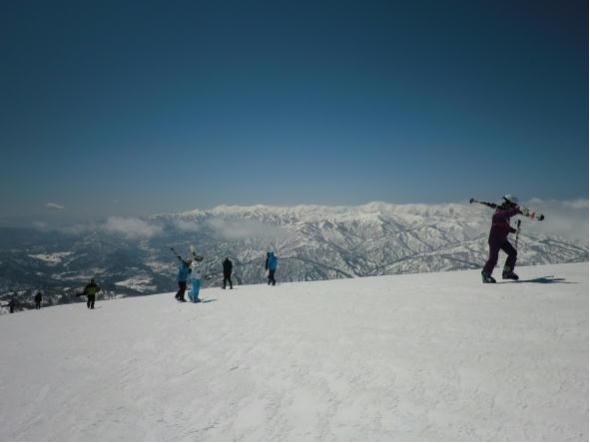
{"x":38,"y":297}
{"x":91,"y":289}
{"x":501,"y":224}
{"x":227,"y":267}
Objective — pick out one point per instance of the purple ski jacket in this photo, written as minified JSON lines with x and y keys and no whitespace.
{"x":501,"y":224}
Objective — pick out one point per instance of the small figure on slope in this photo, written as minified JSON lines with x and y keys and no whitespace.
{"x":498,"y":239}
{"x":90,"y":291}
{"x":271,"y":265}
{"x":227,"y":269}
{"x":12,"y":305}
{"x":38,"y":299}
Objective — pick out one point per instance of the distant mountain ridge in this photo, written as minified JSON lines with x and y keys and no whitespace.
{"x":313,"y":242}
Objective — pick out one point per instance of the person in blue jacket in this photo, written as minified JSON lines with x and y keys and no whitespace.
{"x":271,"y":265}
{"x":183,"y":272}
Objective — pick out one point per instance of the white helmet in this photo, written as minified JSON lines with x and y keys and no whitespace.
{"x":511,"y":198}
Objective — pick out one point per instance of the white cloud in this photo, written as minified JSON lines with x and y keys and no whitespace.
{"x":78,"y":229}
{"x":567,"y":219}
{"x":186,"y":226}
{"x":55,"y":206}
{"x":40,"y":225}
{"x":577,"y":204}
{"x":132,"y":228}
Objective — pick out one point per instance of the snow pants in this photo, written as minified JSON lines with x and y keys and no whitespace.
{"x":195,"y":288}
{"x":37,"y":305}
{"x":271,"y":277}
{"x":227,"y":279}
{"x":495,"y":247}
{"x":90,"y":302}
{"x":181,"y":290}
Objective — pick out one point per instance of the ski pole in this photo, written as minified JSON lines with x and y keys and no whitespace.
{"x":175,"y":253}
{"x":517,"y":232}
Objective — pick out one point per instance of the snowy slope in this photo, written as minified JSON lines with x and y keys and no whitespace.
{"x":410,"y":357}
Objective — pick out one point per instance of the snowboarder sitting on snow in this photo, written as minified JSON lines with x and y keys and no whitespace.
{"x":498,"y":238}
{"x":271,"y":266}
{"x":90,"y":291}
{"x":227,"y":268}
{"x":38,"y":299}
{"x":183,"y":271}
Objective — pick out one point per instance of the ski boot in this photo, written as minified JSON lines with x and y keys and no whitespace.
{"x":508,"y":274}
{"x":487,"y":278}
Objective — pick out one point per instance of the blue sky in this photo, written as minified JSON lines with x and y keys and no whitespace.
{"x":131,"y":108}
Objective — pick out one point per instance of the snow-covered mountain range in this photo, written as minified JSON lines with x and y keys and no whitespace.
{"x":131,"y":256}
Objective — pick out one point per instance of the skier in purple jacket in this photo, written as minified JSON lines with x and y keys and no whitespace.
{"x":498,"y":239}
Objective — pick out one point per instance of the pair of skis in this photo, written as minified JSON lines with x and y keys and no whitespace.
{"x":525,"y":211}
{"x":193,"y":253}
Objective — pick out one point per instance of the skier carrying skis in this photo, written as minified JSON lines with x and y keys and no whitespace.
{"x":498,"y":238}
{"x":90,"y":291}
{"x":227,"y":268}
{"x":271,"y":265}
{"x":38,"y":299}
{"x":183,"y":271}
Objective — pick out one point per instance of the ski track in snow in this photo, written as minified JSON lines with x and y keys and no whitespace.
{"x":410,"y":357}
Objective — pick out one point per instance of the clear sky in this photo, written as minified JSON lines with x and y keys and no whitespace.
{"x":136,"y":107}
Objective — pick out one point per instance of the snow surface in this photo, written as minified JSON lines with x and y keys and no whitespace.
{"x":408,"y":357}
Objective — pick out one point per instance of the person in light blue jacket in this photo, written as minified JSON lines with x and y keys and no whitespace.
{"x":272,"y":262}
{"x":195,"y":284}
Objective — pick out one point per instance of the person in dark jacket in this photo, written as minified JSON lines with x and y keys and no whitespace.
{"x":12,"y":305}
{"x":498,"y":239}
{"x":90,"y":291}
{"x":183,"y":273}
{"x":227,"y":269}
{"x":38,"y":299}
{"x":271,"y":265}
